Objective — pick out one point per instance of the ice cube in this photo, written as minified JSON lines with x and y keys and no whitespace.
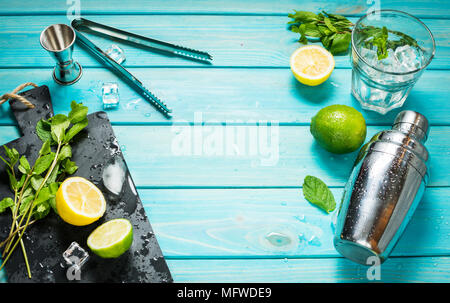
{"x":116,"y":53}
{"x":110,"y":95}
{"x":114,"y":176}
{"x":369,"y":55}
{"x":408,"y":57}
{"x":75,"y":256}
{"x":390,"y":63}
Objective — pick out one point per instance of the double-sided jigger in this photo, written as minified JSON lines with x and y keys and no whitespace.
{"x":58,"y":40}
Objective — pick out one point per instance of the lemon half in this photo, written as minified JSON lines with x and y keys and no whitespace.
{"x":312,"y":64}
{"x":79,"y":202}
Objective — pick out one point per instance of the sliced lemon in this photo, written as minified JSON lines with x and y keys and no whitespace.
{"x":111,"y":239}
{"x":79,"y":202}
{"x":312,"y":64}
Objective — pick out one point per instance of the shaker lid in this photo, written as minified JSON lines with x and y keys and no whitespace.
{"x":413,"y":124}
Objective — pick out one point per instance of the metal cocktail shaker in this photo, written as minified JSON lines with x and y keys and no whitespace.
{"x":386,"y":184}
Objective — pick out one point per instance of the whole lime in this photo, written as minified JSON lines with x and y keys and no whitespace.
{"x":339,"y":128}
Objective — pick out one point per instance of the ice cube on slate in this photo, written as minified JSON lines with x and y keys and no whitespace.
{"x":116,"y":53}
{"x":114,"y":176}
{"x":110,"y":95}
{"x":75,"y":255}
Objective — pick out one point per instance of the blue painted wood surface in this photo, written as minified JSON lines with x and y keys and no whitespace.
{"x":211,"y":212}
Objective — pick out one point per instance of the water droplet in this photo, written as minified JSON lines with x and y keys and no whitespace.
{"x":314,"y":241}
{"x":300,"y":218}
{"x":101,"y":115}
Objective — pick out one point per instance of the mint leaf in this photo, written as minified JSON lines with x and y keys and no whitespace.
{"x":6,"y":203}
{"x":53,"y":187}
{"x":59,"y":124}
{"x":65,"y":152}
{"x":36,"y":182}
{"x":24,"y":166}
{"x":301,"y":30}
{"x":44,"y":195}
{"x":25,"y":203}
{"x":340,"y":43}
{"x":41,"y":210}
{"x":43,"y":163}
{"x":54,"y":174}
{"x":329,"y":25}
{"x":69,"y":166}
{"x":12,"y":154}
{"x":12,"y":180}
{"x":335,"y":17}
{"x":43,"y":131}
{"x":78,"y":112}
{"x":377,"y":37}
{"x":317,"y":193}
{"x":75,"y":129}
{"x":311,"y":30}
{"x":303,"y":16}
{"x":21,"y":181}
{"x":45,"y":149}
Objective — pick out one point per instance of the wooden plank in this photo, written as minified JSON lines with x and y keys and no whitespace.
{"x":425,"y":269}
{"x":226,"y":94}
{"x":348,"y":7}
{"x":238,"y":41}
{"x":277,"y":223}
{"x":158,"y":163}
{"x":163,"y":156}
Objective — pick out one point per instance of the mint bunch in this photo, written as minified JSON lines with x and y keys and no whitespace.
{"x":35,"y":186}
{"x":334,"y":31}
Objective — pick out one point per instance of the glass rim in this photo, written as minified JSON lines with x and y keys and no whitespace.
{"x":400,"y":13}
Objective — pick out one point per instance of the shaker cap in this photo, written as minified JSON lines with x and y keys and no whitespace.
{"x":413,"y":124}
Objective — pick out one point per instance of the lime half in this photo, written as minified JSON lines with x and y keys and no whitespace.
{"x":111,"y":239}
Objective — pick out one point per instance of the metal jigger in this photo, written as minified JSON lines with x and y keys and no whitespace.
{"x":58,"y":40}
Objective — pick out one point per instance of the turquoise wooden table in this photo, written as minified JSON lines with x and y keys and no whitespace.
{"x":235,"y":212}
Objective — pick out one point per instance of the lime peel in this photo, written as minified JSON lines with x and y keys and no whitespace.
{"x":111,"y":239}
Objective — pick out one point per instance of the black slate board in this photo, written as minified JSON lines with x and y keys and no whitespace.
{"x":93,"y":150}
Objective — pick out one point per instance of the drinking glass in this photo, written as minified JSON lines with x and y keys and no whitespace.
{"x":382,"y":85}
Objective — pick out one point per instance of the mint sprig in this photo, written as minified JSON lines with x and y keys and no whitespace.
{"x":317,"y":193}
{"x":34,"y":186}
{"x":334,"y":31}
